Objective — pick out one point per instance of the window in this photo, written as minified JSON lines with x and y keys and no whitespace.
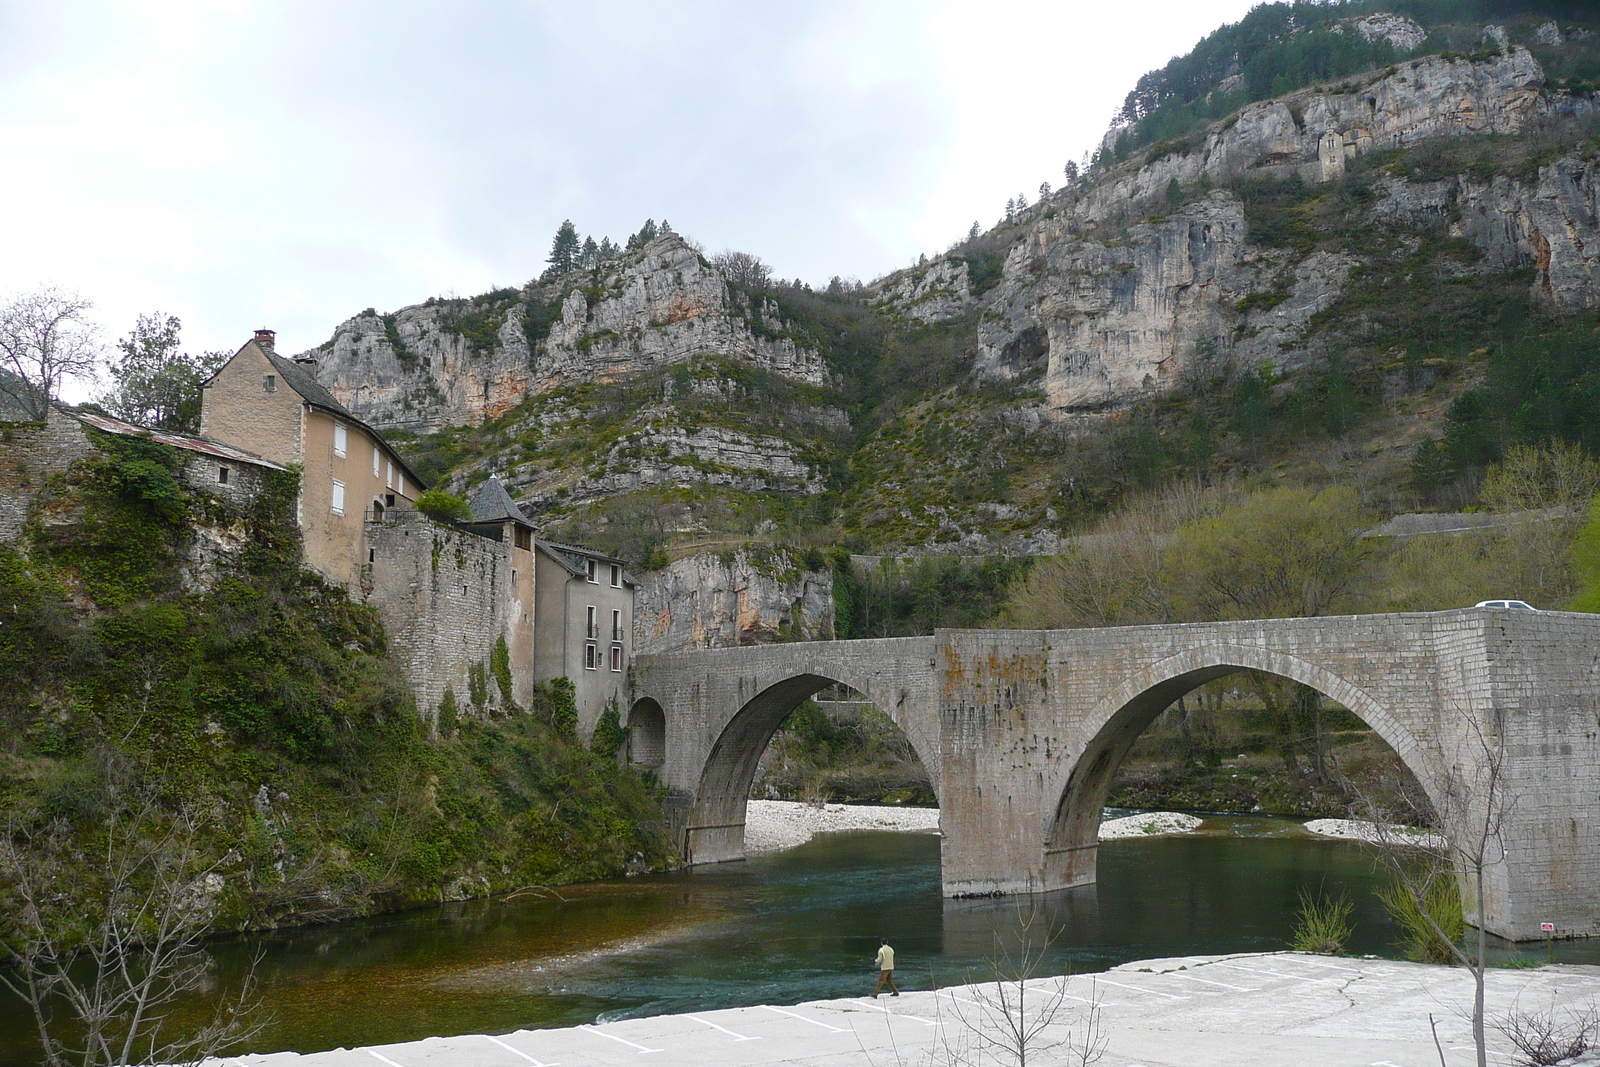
{"x":522,"y":537}
{"x":616,"y":624}
{"x":513,"y":576}
{"x":616,"y":576}
{"x":591,"y":658}
{"x":270,"y":385}
{"x":338,"y":498}
{"x":594,"y":571}
{"x":400,"y":483}
{"x":377,"y":462}
{"x":388,"y":500}
{"x":222,"y":475}
{"x":616,"y":657}
{"x":372,"y":555}
{"x":591,"y":629}
{"x":389,"y":481}
{"x":341,"y":440}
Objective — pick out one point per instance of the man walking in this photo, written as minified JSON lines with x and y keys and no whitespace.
{"x":885,"y":968}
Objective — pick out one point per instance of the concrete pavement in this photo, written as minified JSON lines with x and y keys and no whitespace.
{"x":1263,"y":1009}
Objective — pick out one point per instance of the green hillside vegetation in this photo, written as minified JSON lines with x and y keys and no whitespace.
{"x":267,"y":705}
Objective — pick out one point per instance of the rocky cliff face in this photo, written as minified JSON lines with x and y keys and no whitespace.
{"x":1100,"y":311}
{"x":459,"y":362}
{"x":714,"y":601}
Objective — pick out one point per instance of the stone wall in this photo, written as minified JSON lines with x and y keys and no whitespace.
{"x":444,"y":596}
{"x":30,"y":453}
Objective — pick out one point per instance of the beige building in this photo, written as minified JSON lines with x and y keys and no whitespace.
{"x":448,"y":593}
{"x":584,"y":604}
{"x":273,"y":407}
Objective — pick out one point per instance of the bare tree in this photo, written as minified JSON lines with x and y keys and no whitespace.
{"x":999,"y":1022}
{"x":105,"y":938}
{"x":1544,"y":1037}
{"x":1473,"y":805}
{"x":743,"y":269}
{"x":45,"y":338}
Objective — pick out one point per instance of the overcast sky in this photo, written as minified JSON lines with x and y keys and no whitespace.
{"x":244,"y":164}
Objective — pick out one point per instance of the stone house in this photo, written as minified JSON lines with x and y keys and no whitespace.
{"x":32,"y":453}
{"x":585,"y":628}
{"x":273,"y":407}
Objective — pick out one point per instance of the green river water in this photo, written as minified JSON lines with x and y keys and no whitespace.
{"x":779,"y":929}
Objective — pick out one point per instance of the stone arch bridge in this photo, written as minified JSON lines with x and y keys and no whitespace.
{"x":1021,"y":732}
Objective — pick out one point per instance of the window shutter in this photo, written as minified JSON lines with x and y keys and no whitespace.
{"x":338,"y":498}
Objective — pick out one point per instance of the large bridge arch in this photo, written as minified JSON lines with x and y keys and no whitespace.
{"x":714,"y":831}
{"x":1109,"y":729}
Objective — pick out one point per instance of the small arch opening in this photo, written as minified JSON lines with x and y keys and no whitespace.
{"x":647,"y":735}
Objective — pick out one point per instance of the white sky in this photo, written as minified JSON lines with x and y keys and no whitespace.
{"x":243,"y":164}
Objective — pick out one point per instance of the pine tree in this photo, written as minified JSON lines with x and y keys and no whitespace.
{"x":589,"y":258}
{"x":608,"y":251}
{"x":1011,"y":209}
{"x":1044,"y":190}
{"x":1070,"y":171}
{"x":564,"y":250}
{"x":1022,"y":203}
{"x":973,"y":233}
{"x":646,"y":234}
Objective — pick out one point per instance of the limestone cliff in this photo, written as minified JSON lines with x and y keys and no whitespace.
{"x":714,"y":601}
{"x":1100,"y":310}
{"x":454,"y":362}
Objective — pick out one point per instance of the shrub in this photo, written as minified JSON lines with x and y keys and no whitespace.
{"x":443,"y":507}
{"x":558,"y":700}
{"x":609,"y":733}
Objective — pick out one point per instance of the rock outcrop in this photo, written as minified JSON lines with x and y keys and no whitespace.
{"x":1100,"y":312}
{"x":462,"y":361}
{"x":935,"y":293}
{"x":753,"y":597}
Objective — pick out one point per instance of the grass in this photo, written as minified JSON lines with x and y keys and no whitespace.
{"x":1323,"y":925}
{"x":1442,"y":901}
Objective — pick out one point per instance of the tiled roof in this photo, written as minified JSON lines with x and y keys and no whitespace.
{"x":572,"y":557}
{"x":169,"y":437}
{"x":303,"y":381}
{"x":491,"y":503}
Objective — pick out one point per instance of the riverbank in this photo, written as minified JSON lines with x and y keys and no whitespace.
{"x":775,"y":825}
{"x":1265,"y":1009}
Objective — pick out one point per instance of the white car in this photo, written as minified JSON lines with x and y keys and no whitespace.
{"x":1516,"y":605}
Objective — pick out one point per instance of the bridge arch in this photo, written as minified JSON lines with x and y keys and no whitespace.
{"x":1108,"y":731}
{"x":714,"y":830}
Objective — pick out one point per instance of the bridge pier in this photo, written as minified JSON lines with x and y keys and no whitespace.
{"x":1022,"y":733}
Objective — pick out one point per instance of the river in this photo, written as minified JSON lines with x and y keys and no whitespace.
{"x":777,"y":929}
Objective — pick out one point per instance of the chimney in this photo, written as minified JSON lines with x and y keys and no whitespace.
{"x":266,"y":339}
